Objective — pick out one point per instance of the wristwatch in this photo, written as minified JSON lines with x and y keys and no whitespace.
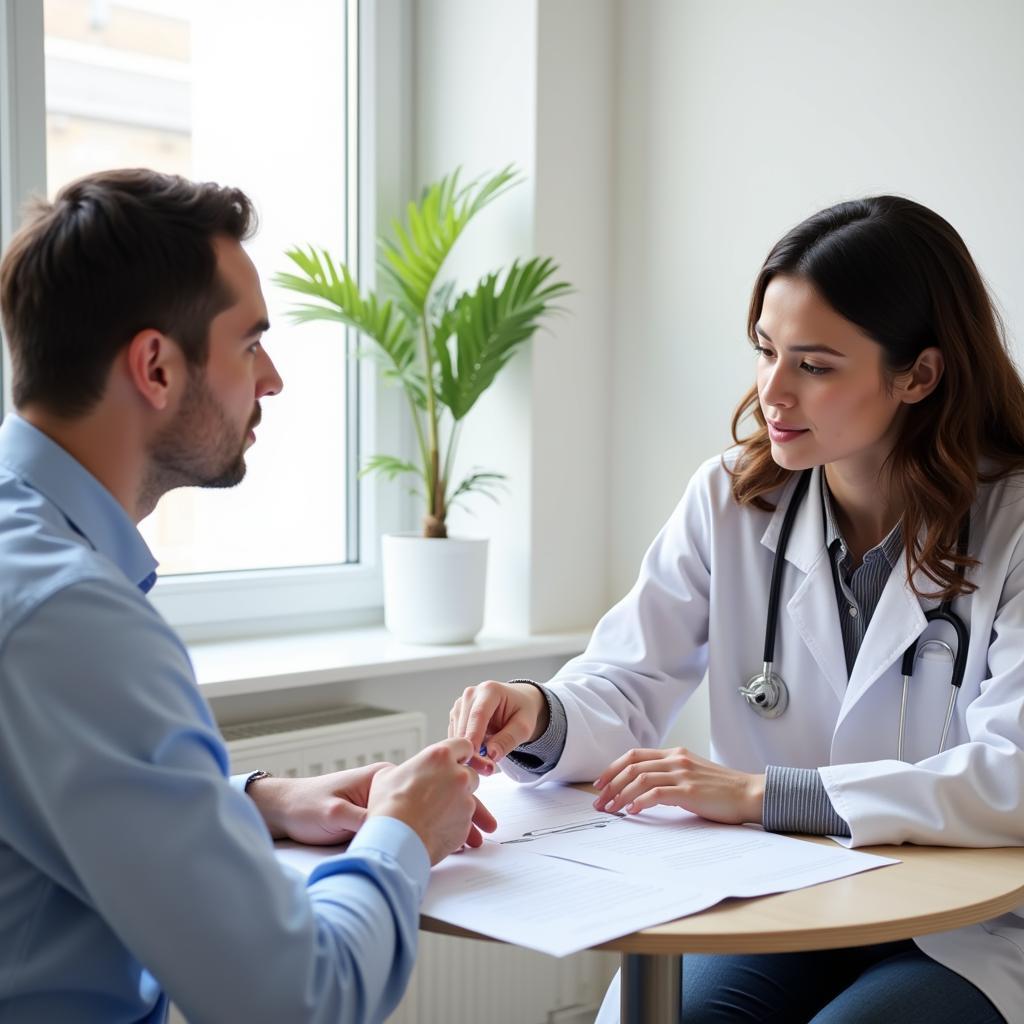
{"x":261,"y":774}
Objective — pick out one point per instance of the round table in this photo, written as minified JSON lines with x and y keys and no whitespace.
{"x":932,"y":889}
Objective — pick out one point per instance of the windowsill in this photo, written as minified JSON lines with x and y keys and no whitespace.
{"x":258,"y":665}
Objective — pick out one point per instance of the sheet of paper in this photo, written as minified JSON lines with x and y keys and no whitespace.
{"x":541,"y":903}
{"x":544,"y":903}
{"x":527,"y":815}
{"x":673,"y":846}
{"x":664,"y":844}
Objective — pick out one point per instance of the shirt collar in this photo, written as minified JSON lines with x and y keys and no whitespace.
{"x":890,"y":547}
{"x":90,"y":509}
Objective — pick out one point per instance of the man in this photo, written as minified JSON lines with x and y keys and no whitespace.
{"x":130,"y":865}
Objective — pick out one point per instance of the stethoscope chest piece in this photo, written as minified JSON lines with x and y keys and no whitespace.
{"x":766,"y":693}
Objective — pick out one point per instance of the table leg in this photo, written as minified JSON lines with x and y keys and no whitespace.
{"x":651,"y":989}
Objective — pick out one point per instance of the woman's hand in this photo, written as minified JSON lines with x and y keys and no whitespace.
{"x":322,"y":810}
{"x":500,"y":715}
{"x":677,"y":778}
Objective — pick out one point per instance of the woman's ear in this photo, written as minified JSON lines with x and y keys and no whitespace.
{"x":156,"y":368}
{"x":922,"y":378}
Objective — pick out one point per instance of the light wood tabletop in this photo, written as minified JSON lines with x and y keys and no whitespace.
{"x":932,"y":889}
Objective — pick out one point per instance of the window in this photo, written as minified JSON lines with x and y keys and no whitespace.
{"x":188,"y":88}
{"x":271,"y":99}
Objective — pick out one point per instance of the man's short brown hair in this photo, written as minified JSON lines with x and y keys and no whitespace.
{"x":115,"y":253}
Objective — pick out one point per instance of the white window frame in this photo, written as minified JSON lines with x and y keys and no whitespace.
{"x":255,"y":602}
{"x":22,"y":126}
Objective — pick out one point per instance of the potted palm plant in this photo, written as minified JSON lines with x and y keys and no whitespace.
{"x":443,"y":348}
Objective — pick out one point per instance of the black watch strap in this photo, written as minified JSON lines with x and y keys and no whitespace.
{"x":259,"y":774}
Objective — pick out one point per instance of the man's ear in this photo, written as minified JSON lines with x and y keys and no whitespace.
{"x":923,"y":377}
{"x":156,"y":368}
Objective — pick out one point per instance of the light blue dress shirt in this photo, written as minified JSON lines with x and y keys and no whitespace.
{"x":130,"y":868}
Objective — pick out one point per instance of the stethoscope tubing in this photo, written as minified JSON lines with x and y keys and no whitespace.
{"x":775,"y":588}
{"x":953,"y":691}
{"x":755,"y":691}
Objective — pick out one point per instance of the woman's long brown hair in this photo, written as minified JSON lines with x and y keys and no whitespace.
{"x":903,"y":275}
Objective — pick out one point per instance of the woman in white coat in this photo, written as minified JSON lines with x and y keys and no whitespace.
{"x":882,"y":370}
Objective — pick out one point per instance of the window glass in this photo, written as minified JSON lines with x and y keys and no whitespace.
{"x":251,"y":95}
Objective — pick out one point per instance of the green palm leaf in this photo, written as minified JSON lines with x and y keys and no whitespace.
{"x":389,"y":467}
{"x":413,"y":260}
{"x":489,"y":324}
{"x":480,"y":482}
{"x":342,"y":301}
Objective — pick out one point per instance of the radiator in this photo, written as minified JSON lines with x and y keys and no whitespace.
{"x":302,"y":745}
{"x":456,"y":981}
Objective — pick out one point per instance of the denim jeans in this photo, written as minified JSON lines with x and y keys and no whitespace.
{"x":894,"y":982}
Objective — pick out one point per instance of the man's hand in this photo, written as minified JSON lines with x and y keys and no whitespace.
{"x":320,"y":811}
{"x":500,"y":715}
{"x":433,"y":794}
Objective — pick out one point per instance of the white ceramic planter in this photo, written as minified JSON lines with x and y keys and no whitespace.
{"x":433,"y":588}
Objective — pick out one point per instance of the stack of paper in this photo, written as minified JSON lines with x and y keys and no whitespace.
{"x":558,"y":876}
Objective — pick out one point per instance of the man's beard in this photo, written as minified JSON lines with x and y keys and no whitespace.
{"x":199,"y":448}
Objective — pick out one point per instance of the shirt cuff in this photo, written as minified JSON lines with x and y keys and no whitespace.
{"x":387,"y":837}
{"x":795,"y":800}
{"x":239,"y":781}
{"x":543,"y":753}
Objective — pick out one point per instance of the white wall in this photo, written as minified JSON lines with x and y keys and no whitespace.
{"x":474,"y":107}
{"x":500,"y":81}
{"x":737,"y":120}
{"x":570,"y":380}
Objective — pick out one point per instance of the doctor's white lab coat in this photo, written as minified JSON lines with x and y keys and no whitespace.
{"x":700,"y":605}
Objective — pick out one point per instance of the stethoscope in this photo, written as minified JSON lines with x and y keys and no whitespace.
{"x":767,"y":692}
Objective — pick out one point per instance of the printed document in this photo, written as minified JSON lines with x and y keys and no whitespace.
{"x":558,"y":876}
{"x":663,"y":843}
{"x":545,"y":903}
